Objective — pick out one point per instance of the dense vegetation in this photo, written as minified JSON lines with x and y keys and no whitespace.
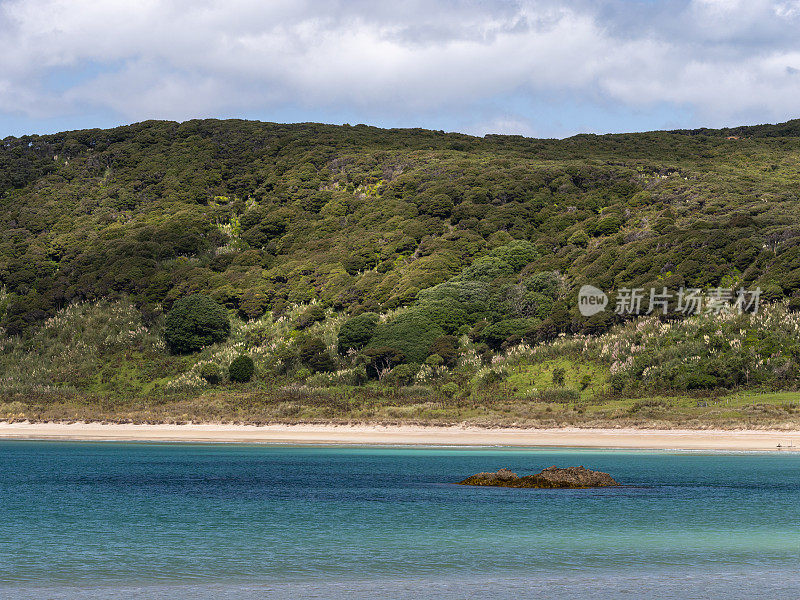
{"x":346,"y":258}
{"x":195,"y":321}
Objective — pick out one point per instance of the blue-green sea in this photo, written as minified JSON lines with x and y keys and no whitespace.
{"x":114,"y":520}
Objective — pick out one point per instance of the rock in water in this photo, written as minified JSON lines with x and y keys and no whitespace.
{"x":551,"y":477}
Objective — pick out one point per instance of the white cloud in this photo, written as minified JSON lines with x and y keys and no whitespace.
{"x":724,"y":59}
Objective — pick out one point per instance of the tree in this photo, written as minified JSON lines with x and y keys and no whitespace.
{"x":579,"y":238}
{"x":314,"y":354}
{"x":446,"y":346}
{"x":410,"y":333}
{"x":446,"y":314}
{"x":497,"y":333}
{"x":517,"y":254}
{"x":546,"y":283}
{"x":195,"y":321}
{"x":402,"y":374}
{"x":439,"y":205}
{"x":313,"y":314}
{"x":381,"y":360}
{"x":241,"y":369}
{"x":356,"y":332}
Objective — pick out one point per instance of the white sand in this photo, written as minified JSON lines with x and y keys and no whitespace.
{"x":374,"y":434}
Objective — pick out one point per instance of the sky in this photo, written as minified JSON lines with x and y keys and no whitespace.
{"x":529,"y":67}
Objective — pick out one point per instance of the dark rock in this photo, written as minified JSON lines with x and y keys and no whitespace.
{"x":551,"y":477}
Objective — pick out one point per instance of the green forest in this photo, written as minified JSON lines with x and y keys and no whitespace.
{"x":257,"y":271}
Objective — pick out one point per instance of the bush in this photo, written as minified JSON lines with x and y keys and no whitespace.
{"x":437,"y":206}
{"x":381,"y":360}
{"x":608,"y":225}
{"x":771,"y":292}
{"x":410,"y":333}
{"x":402,"y":374}
{"x":356,"y":332}
{"x":586,"y":381}
{"x":450,"y":389}
{"x":448,"y":315}
{"x":194,"y":322}
{"x":434,"y":360}
{"x":497,"y":333}
{"x":546,"y":283}
{"x":558,"y":377}
{"x":314,"y":354}
{"x":517,"y":254}
{"x":579,"y":238}
{"x":491,"y":378}
{"x":618,"y":383}
{"x":446,"y":346}
{"x":241,"y":369}
{"x":311,"y":315}
{"x":486,"y":269}
{"x":210,"y":372}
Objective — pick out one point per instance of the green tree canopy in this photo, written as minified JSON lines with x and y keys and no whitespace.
{"x":241,"y":369}
{"x":357,"y":331}
{"x":195,"y":321}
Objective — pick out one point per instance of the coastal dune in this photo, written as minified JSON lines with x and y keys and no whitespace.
{"x":679,"y":439}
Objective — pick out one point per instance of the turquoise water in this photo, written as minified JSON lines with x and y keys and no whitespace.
{"x":112,"y":520}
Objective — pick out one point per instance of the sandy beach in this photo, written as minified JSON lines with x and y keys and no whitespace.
{"x":411,"y":435}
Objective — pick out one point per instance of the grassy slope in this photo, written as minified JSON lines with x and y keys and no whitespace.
{"x":99,"y":362}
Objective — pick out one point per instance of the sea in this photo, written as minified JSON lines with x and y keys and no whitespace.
{"x":89,"y":520}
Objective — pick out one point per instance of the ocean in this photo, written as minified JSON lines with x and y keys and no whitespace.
{"x":200,"y":521}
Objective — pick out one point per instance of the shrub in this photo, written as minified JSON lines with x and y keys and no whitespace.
{"x":194,"y":322}
{"x":579,"y":238}
{"x":517,"y":254}
{"x":356,"y":332}
{"x":380,"y":360}
{"x":314,"y":354}
{"x":608,"y":225}
{"x":446,"y":346}
{"x":497,"y":333}
{"x":241,"y":369}
{"x":255,"y":303}
{"x":771,"y":292}
{"x":402,"y":374}
{"x":448,"y":315}
{"x":410,"y":333}
{"x":558,"y":377}
{"x":311,"y":315}
{"x":546,"y":283}
{"x":586,"y":381}
{"x":486,"y":269}
{"x":434,"y":360}
{"x":491,"y":378}
{"x":450,"y":389}
{"x":437,"y":206}
{"x":210,"y":372}
{"x":618,"y":383}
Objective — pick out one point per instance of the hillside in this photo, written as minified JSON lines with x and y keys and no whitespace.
{"x":260,"y":214}
{"x":462,"y":247}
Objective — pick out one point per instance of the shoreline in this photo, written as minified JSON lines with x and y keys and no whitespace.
{"x":411,"y":435}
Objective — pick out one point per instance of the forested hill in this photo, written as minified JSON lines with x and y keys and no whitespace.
{"x":260,"y":215}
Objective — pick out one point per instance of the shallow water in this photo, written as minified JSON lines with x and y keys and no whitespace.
{"x":113,"y":520}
